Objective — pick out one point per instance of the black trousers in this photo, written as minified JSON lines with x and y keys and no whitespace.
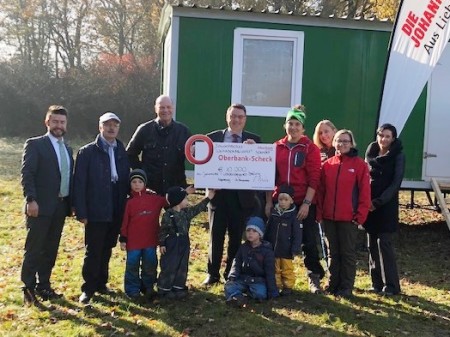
{"x":174,"y":264}
{"x":341,"y":238}
{"x":41,"y":247}
{"x":99,"y":238}
{"x":227,"y":217}
{"x":382,"y":262}
{"x":311,"y":243}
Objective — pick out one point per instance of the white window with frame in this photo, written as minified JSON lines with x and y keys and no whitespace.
{"x":267,"y":70}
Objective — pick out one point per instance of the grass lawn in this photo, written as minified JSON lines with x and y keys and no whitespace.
{"x":422,"y":310}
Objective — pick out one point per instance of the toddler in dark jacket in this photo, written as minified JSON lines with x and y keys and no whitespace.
{"x":174,"y":242}
{"x":253,"y":269}
{"x":284,"y":232}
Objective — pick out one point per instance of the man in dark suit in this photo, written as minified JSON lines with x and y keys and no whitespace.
{"x":47,"y":166}
{"x":229,"y":209}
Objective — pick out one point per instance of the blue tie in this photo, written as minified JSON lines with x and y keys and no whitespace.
{"x":65,"y":172}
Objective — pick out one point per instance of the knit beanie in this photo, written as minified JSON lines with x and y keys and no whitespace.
{"x":257,"y":224}
{"x":140,"y":174}
{"x":286,"y":189}
{"x":296,"y":114}
{"x":175,"y":195}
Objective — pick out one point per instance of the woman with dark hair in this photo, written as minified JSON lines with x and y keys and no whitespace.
{"x":387,"y":165}
{"x":343,"y":202}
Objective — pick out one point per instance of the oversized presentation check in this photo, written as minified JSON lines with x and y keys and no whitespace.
{"x":236,"y":166}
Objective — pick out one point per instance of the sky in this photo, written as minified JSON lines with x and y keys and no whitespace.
{"x":5,"y":51}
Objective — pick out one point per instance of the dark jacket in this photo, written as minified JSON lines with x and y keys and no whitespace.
{"x":41,"y":177}
{"x":163,"y":155}
{"x":93,"y":190}
{"x":327,"y":153}
{"x":284,"y":231}
{"x":386,"y":175}
{"x":247,"y":199}
{"x":253,"y":265}
{"x":175,"y":223}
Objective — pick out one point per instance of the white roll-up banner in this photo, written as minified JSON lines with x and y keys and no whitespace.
{"x":421,"y":33}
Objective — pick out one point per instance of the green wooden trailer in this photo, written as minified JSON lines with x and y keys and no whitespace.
{"x":272,"y":60}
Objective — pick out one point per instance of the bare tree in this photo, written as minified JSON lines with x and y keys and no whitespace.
{"x":25,"y":26}
{"x":117,"y":23}
{"x":68,"y":22}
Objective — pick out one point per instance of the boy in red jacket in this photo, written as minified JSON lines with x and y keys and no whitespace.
{"x":139,"y":236}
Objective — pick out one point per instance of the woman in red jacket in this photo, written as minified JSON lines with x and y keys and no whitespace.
{"x":298,"y":166}
{"x":343,"y":204}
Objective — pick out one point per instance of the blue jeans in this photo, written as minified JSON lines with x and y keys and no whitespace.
{"x":140,"y":271}
{"x":258,"y":291}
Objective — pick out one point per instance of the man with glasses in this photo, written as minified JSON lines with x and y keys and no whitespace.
{"x":100,"y":192}
{"x":229,"y":209}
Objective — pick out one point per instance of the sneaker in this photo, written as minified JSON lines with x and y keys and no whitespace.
{"x":231,"y":301}
{"x":150,"y":294}
{"x":329,"y":290}
{"x":286,"y":292}
{"x":388,"y":292}
{"x":133,"y":297}
{"x":85,"y":297}
{"x":167,"y":295}
{"x":180,"y":294}
{"x":48,"y":294}
{"x":344,"y":293}
{"x":29,"y":297}
{"x":105,"y":291}
{"x":374,"y":290}
{"x":237,"y":301}
{"x":242,"y":301}
{"x":314,"y":283}
{"x":210,"y":280}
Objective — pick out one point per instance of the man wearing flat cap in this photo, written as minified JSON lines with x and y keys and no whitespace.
{"x":100,"y":191}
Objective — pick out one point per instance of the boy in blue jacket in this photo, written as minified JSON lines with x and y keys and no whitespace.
{"x":253,"y":269}
{"x":285,"y":232}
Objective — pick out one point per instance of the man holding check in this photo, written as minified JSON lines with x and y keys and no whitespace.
{"x":229,"y":208}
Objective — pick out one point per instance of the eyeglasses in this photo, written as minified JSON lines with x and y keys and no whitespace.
{"x":237,"y":117}
{"x":343,"y":142}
